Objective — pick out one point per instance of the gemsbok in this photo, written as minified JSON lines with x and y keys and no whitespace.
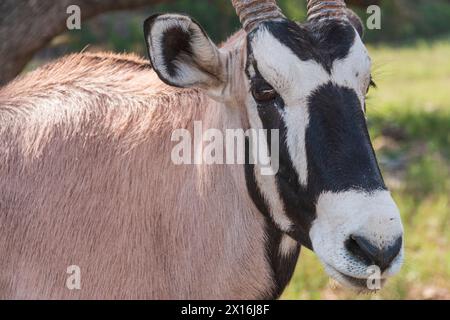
{"x":87,"y":179}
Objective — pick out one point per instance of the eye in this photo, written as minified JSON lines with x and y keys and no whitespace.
{"x":263,"y":92}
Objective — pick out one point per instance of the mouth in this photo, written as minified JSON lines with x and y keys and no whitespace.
{"x":361,"y":285}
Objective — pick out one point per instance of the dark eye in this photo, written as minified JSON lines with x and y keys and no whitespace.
{"x":263,"y":92}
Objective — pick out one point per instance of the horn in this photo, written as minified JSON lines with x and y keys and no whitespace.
{"x":327,"y":10}
{"x":253,"y":12}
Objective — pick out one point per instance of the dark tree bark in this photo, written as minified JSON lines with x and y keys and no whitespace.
{"x":26,"y":26}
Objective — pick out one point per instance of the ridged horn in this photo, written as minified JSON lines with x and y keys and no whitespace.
{"x":252,"y":12}
{"x":326,"y":9}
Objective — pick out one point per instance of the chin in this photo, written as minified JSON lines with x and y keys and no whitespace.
{"x":358,"y":285}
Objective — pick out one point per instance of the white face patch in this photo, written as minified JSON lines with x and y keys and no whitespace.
{"x":353,"y":72}
{"x":267,"y":183}
{"x":341,"y":215}
{"x":294,"y":80}
{"x":372,"y":216}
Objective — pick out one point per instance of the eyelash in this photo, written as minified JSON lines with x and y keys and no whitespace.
{"x":267,"y":92}
{"x":372,"y":84}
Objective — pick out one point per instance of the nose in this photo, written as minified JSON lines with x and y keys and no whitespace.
{"x":371,"y":254}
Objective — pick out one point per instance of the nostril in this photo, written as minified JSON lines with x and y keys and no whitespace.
{"x":370,"y":254}
{"x":361,"y":252}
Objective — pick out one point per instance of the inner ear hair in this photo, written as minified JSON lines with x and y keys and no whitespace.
{"x":356,"y":22}
{"x":182,"y":53}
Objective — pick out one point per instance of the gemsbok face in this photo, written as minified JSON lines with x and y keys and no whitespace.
{"x":310,"y":82}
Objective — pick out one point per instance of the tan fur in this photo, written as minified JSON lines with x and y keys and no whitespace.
{"x":86,"y":179}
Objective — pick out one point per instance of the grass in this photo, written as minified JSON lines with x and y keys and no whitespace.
{"x":409,"y":121}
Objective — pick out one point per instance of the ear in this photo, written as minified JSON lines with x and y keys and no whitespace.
{"x":182,"y":54}
{"x":356,"y":22}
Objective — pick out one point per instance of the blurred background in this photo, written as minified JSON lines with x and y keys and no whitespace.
{"x":408,"y":114}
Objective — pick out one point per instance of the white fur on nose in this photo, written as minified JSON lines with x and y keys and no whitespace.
{"x":373,"y":216}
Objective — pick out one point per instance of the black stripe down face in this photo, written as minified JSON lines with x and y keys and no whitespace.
{"x":309,"y":81}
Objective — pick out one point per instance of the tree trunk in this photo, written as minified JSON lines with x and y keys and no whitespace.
{"x":26,"y":26}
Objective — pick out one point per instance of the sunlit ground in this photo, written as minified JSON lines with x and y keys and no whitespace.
{"x":409,"y":120}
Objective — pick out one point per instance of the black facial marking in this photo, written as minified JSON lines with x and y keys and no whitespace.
{"x":282,"y":266}
{"x":324,"y":43}
{"x":287,"y":180}
{"x":339,"y":153}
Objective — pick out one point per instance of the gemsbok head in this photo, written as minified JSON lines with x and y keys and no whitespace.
{"x":310,"y":81}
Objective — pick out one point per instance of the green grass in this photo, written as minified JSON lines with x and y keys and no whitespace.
{"x":409,"y":120}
